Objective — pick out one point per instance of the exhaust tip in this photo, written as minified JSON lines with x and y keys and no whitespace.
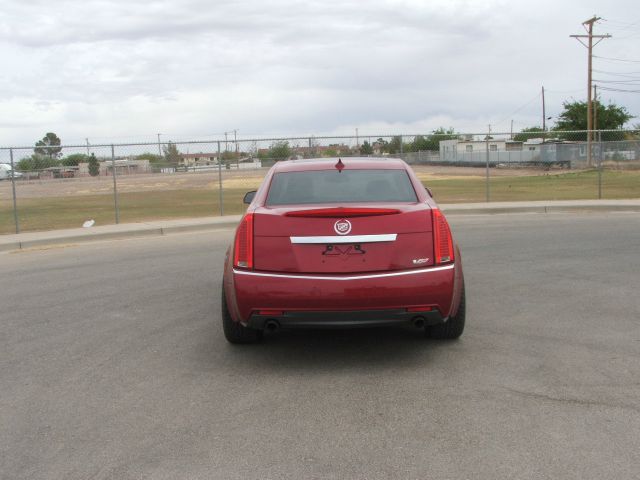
{"x":418,"y":322}
{"x":271,"y":326}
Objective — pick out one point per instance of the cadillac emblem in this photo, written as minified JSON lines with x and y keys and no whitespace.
{"x":342,"y":227}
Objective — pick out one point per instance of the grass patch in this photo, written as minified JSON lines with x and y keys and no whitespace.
{"x":567,"y":186}
{"x":69,"y":212}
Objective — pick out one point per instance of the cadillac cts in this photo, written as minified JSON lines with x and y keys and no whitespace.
{"x":335,"y":243}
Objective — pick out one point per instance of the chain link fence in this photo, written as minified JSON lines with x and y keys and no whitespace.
{"x":64,"y":186}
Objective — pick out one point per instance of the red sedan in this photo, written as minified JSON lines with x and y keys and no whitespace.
{"x":342,"y":243}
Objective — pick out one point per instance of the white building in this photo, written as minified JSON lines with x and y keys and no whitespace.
{"x":500,"y":150}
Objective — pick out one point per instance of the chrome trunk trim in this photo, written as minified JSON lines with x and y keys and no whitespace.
{"x":333,"y":239}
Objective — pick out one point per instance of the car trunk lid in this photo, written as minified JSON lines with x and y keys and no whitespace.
{"x":343,"y":239}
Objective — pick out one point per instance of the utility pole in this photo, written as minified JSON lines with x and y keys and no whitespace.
{"x":588,"y":26}
{"x":87,"y":146}
{"x":159,"y":149}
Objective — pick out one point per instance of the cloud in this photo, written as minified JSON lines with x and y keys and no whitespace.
{"x":111,"y":67}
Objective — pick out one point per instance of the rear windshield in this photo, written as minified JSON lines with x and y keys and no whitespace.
{"x":332,"y":186}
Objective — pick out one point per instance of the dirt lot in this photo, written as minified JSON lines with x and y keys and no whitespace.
{"x":209,"y":181}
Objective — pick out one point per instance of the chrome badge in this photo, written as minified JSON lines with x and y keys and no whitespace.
{"x":342,"y":227}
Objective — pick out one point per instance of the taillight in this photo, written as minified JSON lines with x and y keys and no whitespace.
{"x":243,"y":247}
{"x":442,"y":241}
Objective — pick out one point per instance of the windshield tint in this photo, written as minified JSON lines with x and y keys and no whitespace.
{"x":332,"y":186}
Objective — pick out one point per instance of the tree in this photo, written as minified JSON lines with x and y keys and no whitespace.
{"x":74,"y":159}
{"x":382,"y":145}
{"x":36,"y":162}
{"x":574,"y":118}
{"x":171,"y":153}
{"x":49,"y":146}
{"x":419,"y":144}
{"x":366,"y":148}
{"x":280,"y":150}
{"x":528,"y":133}
{"x":94,"y":166}
{"x":431,"y":141}
{"x":393,"y":146}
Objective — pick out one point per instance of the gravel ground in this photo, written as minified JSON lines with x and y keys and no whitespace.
{"x":209,"y":180}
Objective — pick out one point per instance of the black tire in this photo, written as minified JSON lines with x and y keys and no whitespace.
{"x":234,"y":332}
{"x":453,"y":327}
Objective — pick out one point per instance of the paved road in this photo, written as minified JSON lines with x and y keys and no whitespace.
{"x":113,"y":365}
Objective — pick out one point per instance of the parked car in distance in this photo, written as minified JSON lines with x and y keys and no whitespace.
{"x":329,"y":243}
{"x":5,"y":172}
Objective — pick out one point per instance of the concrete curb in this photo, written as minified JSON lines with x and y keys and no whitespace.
{"x":113,"y":232}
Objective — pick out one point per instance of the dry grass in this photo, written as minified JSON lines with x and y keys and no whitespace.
{"x":68,"y":203}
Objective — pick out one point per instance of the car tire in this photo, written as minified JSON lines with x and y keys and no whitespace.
{"x":453,"y":327}
{"x":235,"y":332}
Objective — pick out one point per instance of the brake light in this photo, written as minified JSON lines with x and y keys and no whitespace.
{"x":442,"y":241}
{"x":243,"y":247}
{"x":342,"y":212}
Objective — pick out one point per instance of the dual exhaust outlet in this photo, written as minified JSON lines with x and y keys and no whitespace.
{"x":273,"y":325}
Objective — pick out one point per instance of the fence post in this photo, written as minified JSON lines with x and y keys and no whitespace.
{"x":221,"y":198}
{"x":115,"y":185}
{"x":13,"y":188}
{"x":487,"y":166}
{"x":599,"y":165}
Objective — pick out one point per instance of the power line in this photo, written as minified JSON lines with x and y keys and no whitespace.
{"x":618,"y":90}
{"x":618,"y":74}
{"x":623,"y":25}
{"x":627,"y":82}
{"x":529,"y":102}
{"x":616,"y":59}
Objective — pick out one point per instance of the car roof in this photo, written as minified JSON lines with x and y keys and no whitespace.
{"x":359,"y":163}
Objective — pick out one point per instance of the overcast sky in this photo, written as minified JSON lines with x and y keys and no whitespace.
{"x":115,"y":70}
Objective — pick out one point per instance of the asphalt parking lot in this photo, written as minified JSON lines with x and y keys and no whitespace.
{"x":113,"y":365}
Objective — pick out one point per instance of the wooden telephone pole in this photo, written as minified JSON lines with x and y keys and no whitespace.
{"x":588,"y":26}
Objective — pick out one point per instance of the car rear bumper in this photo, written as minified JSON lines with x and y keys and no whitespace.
{"x":344,"y":319}
{"x":341,"y":300}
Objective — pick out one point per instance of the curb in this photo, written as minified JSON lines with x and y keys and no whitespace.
{"x":117,"y":232}
{"x":74,"y":237}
